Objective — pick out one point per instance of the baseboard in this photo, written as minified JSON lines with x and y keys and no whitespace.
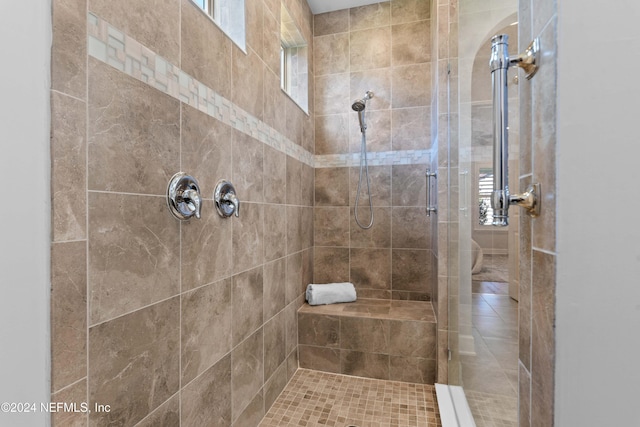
{"x":453,"y":407}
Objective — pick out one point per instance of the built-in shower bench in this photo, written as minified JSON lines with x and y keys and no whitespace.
{"x":374,"y":338}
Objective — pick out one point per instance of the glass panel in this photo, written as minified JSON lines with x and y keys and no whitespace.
{"x":483,"y":329}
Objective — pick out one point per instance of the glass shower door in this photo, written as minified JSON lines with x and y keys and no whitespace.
{"x":482,"y":259}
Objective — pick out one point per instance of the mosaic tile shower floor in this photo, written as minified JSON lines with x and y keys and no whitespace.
{"x":315,"y":398}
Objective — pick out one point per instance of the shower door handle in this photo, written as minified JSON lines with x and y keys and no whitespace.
{"x":430,"y":208}
{"x":499,"y":64}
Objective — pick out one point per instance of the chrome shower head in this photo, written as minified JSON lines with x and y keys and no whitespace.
{"x":359,"y":105}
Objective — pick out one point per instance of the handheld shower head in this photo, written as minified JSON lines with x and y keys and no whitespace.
{"x":359,"y":105}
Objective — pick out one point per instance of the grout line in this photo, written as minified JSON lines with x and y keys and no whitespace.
{"x":56,"y":242}
{"x":68,"y":386}
{"x":67,"y":95}
{"x":544,"y":251}
{"x":125,"y":193}
{"x":133,"y":311}
{"x":157,"y":407}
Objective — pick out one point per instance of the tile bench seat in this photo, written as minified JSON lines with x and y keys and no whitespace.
{"x":384,"y":339}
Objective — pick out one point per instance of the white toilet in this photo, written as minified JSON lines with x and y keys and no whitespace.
{"x":476,"y":257}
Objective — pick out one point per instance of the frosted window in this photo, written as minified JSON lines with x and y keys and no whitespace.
{"x":294,"y":68}
{"x":229,"y":16}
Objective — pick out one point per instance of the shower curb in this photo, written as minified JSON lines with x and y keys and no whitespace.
{"x":453,"y":406}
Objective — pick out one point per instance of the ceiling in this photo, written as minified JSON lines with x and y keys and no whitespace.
{"x":322,"y":6}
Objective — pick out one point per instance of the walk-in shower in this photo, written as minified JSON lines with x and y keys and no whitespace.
{"x":359,"y":105}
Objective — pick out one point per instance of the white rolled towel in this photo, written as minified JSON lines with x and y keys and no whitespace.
{"x":330,"y":293}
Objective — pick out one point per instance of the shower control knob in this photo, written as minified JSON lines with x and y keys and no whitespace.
{"x":227,"y":203}
{"x":183,"y":197}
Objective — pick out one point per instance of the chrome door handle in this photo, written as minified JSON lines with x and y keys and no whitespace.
{"x":430,"y":208}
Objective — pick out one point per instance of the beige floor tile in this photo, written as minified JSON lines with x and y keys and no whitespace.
{"x":319,"y":398}
{"x":490,"y":377}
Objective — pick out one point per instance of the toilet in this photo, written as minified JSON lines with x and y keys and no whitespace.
{"x":476,"y":257}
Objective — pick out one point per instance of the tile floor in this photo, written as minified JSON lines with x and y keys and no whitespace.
{"x":490,"y":378}
{"x":314,"y":398}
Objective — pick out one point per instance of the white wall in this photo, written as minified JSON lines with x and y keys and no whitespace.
{"x":25,"y":31}
{"x":598,"y":286}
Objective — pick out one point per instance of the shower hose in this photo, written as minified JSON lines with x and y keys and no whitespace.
{"x":364,"y":167}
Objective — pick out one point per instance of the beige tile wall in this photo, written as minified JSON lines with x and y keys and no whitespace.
{"x":538,"y":236}
{"x":386,"y":48}
{"x":165,"y":321}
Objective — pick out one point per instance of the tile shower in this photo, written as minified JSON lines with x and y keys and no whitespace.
{"x":124,"y":121}
{"x":198,"y":321}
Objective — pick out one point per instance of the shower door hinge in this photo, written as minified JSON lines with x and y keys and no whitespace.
{"x":448,"y":354}
{"x":448,"y":68}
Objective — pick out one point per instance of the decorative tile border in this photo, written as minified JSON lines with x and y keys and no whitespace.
{"x":111,"y":46}
{"x":375,"y":158}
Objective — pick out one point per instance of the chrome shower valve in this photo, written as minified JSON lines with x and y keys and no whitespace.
{"x":227,"y":203}
{"x":183,"y":197}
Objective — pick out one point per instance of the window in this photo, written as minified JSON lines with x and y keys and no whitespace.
{"x":294,"y":69}
{"x":485,"y":189}
{"x":228,"y":15}
{"x":207,"y":6}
